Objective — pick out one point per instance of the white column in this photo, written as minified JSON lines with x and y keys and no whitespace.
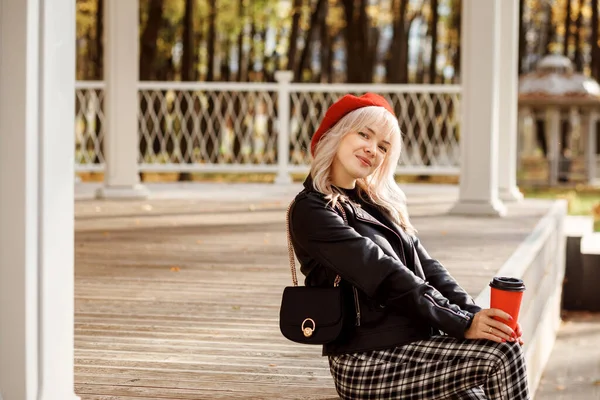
{"x":591,"y":137}
{"x":121,"y":51}
{"x":283,"y":124}
{"x":37,"y":86}
{"x":508,"y":101}
{"x":526,"y":133}
{"x":480,"y":43}
{"x":553,"y":126}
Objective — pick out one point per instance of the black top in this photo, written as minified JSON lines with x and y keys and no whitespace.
{"x":380,"y":215}
{"x":368,"y":206}
{"x":388,"y":300}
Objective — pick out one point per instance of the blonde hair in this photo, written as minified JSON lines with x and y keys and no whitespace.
{"x":380,"y":187}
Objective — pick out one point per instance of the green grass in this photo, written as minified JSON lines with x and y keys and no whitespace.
{"x":581,"y":200}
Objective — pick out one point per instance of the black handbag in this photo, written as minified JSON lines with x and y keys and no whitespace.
{"x":310,"y":315}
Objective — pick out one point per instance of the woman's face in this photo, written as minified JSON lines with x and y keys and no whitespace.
{"x":359,"y":155}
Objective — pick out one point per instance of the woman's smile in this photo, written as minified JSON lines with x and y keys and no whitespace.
{"x":365,"y":161}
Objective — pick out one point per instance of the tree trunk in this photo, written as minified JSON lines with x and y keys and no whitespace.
{"x":550,"y":34}
{"x":148,"y":40}
{"x":522,"y":42}
{"x":404,"y":51}
{"x":567,"y":27}
{"x":362,"y":72}
{"x":397,"y":70}
{"x":99,"y":59}
{"x":252,"y":52}
{"x":187,"y":60}
{"x":359,"y":43}
{"x":294,"y":32}
{"x":240,"y":42}
{"x":226,"y":61}
{"x":579,"y":40}
{"x":148,"y":67}
{"x":198,"y":39}
{"x":434,"y":24}
{"x":265,"y":60}
{"x":370,"y":43}
{"x":325,"y":45}
{"x":594,"y":41}
{"x":352,"y":39}
{"x":187,"y":74}
{"x":309,"y":39}
{"x":457,"y":23}
{"x":212,"y":37}
{"x":330,"y":44}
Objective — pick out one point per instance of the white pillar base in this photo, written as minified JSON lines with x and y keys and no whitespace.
{"x":479,"y":208}
{"x":283,"y":179}
{"x":510,"y":195}
{"x":595,"y":182}
{"x":134,"y":192}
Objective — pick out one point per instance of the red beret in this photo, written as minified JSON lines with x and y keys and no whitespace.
{"x":342,"y":107}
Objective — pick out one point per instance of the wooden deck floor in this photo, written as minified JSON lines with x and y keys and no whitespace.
{"x":184,"y":305}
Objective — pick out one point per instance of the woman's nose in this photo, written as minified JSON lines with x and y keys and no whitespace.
{"x":370,"y":148}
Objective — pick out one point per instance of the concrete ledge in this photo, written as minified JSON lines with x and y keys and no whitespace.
{"x":575,"y":228}
{"x":133,"y":192}
{"x":590,"y":271}
{"x":540,"y":262}
{"x":590,"y":244}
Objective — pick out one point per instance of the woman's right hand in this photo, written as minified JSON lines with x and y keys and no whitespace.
{"x":485,"y":327}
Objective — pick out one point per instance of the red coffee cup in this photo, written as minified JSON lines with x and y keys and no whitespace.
{"x":506,"y":295}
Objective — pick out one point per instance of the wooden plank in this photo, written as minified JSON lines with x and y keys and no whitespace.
{"x":192,"y":383}
{"x":185,"y":306}
{"x":84,"y":373}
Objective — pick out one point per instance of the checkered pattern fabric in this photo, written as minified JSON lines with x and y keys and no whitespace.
{"x":438,"y":368}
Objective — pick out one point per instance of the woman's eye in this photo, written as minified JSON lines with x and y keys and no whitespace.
{"x":363,"y":135}
{"x":383,"y":148}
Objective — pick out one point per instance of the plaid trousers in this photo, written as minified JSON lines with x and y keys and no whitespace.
{"x":441,"y":367}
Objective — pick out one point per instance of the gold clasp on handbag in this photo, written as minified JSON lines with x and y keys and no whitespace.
{"x":308,"y":331}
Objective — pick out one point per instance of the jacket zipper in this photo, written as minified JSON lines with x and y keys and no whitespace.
{"x":357,"y":306}
{"x":356,"y":303}
{"x":382,"y":225}
{"x":443,"y":308}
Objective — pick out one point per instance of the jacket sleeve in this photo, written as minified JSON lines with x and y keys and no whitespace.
{"x":440,"y":278}
{"x":322,"y":233}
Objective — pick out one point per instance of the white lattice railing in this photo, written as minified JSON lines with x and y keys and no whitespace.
{"x":89,"y":126}
{"x":208,"y":126}
{"x":428,"y":116}
{"x":235,"y":127}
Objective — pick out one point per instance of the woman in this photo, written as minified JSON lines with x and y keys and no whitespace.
{"x":414,"y":333}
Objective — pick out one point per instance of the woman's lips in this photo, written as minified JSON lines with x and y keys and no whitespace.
{"x":364,"y":161}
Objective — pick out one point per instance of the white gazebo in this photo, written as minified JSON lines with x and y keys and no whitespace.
{"x":37,"y":83}
{"x":560,"y":107}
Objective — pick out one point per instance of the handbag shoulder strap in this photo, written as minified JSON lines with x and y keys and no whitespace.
{"x":291,"y":248}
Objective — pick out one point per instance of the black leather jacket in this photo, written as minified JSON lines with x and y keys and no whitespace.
{"x":394,"y":292}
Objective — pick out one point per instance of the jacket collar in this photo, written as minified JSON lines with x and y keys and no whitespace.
{"x":360,"y":213}
{"x":308,"y":183}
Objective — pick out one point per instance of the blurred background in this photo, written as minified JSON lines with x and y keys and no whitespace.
{"x":391,"y":41}
{"x":176,"y":93}
{"x":192,"y":128}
